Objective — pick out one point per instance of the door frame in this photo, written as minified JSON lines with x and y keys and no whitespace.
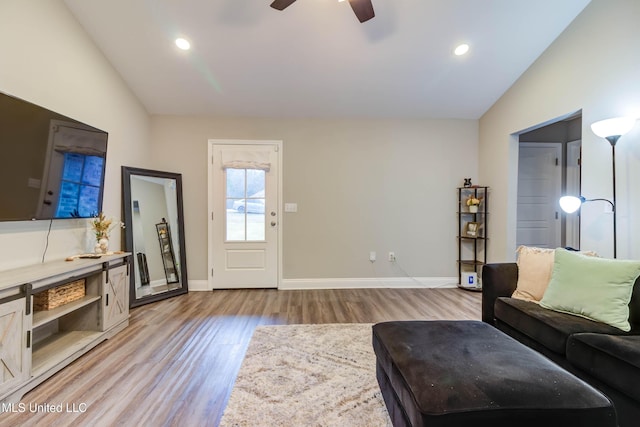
{"x":572,"y":186}
{"x":211,"y":201}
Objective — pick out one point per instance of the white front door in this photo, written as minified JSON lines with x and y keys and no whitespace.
{"x":244,"y":199}
{"x":539,"y":188}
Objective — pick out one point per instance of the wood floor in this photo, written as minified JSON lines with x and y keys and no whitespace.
{"x":176,"y":363}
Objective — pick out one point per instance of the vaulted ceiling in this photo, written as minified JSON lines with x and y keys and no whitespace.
{"x":314,"y":59}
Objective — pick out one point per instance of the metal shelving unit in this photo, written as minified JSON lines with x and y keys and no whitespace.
{"x":472,"y":234}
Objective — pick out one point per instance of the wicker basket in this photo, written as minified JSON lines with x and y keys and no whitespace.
{"x":60,"y":295}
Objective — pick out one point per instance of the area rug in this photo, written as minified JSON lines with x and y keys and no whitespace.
{"x":308,"y":375}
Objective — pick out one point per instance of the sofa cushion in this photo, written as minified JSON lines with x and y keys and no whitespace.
{"x":534,"y":272}
{"x":613,"y":359}
{"x":535,"y":266}
{"x":549,"y":328}
{"x":596,"y":288}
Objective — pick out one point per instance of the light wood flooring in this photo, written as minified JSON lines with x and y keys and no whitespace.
{"x":176,"y":363}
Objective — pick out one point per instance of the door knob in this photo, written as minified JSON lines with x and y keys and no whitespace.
{"x":273,"y":223}
{"x":273,"y":213}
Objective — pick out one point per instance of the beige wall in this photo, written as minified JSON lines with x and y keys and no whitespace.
{"x":47,"y":59}
{"x":594,"y":66}
{"x":360,"y":186}
{"x":401,"y":196}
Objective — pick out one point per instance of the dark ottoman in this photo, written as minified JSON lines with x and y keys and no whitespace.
{"x":467,"y":373}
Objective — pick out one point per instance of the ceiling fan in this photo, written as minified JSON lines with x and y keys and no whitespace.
{"x":362,"y":8}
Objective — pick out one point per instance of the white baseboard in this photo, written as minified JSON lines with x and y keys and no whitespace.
{"x":351,"y":283}
{"x":375,"y":282}
{"x":198,"y":285}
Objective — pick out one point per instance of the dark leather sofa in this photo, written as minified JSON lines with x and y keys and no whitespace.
{"x":602,"y":355}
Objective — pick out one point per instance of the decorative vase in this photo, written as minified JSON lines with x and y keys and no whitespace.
{"x":473,"y":208}
{"x":102,"y":247}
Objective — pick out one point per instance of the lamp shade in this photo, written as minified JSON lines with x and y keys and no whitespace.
{"x":570,"y":204}
{"x":610,"y":127}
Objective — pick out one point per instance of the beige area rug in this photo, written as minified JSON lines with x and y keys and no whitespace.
{"x":308,"y":375}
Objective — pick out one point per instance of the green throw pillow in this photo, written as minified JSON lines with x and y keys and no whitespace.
{"x":595,"y":288}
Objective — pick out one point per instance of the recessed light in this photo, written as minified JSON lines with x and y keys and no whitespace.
{"x":183,"y":44}
{"x":461,"y":49}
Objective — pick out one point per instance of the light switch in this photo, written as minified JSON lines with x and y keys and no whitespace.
{"x":291,"y":207}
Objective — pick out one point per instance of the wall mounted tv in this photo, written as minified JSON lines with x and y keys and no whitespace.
{"x":51,"y":166}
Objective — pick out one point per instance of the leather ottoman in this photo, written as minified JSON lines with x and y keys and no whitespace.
{"x":468,"y":373}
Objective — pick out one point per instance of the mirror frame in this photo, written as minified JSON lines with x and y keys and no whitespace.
{"x":127,"y":172}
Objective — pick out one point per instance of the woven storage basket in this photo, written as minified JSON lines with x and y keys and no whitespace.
{"x":60,"y":295}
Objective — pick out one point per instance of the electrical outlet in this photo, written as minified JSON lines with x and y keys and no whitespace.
{"x":372,"y":256}
{"x":392,"y":257}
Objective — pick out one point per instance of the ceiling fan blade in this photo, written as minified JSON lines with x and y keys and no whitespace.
{"x":282,"y":4}
{"x":362,"y":8}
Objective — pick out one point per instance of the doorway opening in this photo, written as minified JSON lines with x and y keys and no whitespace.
{"x":549,"y":167}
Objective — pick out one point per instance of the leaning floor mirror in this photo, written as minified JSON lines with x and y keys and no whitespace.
{"x":154,"y":234}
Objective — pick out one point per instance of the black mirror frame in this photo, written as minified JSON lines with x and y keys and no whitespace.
{"x":127,"y":172}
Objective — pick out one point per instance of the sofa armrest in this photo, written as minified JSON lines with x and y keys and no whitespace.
{"x":498,"y":280}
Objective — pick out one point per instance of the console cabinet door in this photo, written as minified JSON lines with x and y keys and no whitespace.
{"x":15,"y":356}
{"x":115,"y":298}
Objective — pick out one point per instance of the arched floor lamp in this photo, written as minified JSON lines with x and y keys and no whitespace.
{"x":570,"y":204}
{"x":611,"y":130}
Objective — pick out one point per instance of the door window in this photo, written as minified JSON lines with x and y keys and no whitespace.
{"x":245,"y":205}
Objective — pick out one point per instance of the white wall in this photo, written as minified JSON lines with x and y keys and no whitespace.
{"x":47,"y":59}
{"x":360,"y":185}
{"x":594,"y":66}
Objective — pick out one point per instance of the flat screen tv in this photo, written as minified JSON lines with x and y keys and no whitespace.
{"x":51,"y":166}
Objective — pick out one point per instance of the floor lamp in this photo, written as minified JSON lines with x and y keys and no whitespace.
{"x":570,"y":204}
{"x":611,"y":130}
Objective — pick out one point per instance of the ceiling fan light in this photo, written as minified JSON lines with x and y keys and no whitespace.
{"x":461,"y":49}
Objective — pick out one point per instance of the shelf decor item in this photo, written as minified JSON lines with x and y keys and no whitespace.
{"x":473,"y":202}
{"x":102,"y":226}
{"x":472,"y":229}
{"x":60,"y":295}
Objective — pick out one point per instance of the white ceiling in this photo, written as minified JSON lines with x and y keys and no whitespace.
{"x":315,"y":59}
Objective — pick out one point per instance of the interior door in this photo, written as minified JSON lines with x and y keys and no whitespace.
{"x":245,"y":215}
{"x":539,"y":189}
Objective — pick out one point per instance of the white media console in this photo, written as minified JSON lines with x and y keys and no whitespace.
{"x":36,"y":345}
